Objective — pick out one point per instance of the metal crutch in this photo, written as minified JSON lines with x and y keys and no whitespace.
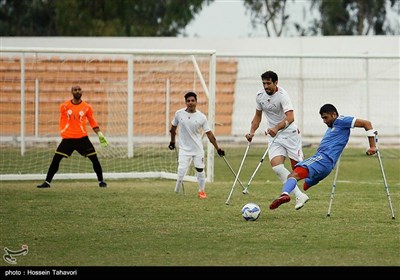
{"x":237,"y":175}
{"x":234,"y":173}
{"x":259,"y":164}
{"x":383,"y":175}
{"x":333,"y":188}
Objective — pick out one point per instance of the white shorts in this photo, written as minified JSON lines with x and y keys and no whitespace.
{"x":287,"y":144}
{"x":186,"y":160}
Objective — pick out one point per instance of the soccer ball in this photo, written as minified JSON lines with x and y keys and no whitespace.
{"x":251,"y":212}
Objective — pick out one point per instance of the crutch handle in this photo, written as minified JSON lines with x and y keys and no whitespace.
{"x":371,"y":154}
{"x":370,"y":151}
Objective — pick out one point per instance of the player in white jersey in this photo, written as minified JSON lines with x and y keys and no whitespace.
{"x":277,"y":107}
{"x":192,"y":123}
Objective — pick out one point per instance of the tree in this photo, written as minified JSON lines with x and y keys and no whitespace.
{"x":97,"y":18}
{"x":269,"y":13}
{"x":336,"y":17}
{"x":21,"y":18}
{"x":355,"y":17}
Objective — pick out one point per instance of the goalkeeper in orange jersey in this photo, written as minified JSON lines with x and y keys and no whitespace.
{"x":73,"y":116}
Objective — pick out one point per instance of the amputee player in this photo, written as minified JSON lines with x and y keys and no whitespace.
{"x":274,"y":102}
{"x":320,"y":165}
{"x":73,"y":116}
{"x":192,"y":123}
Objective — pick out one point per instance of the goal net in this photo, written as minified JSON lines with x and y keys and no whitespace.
{"x":134,"y":95}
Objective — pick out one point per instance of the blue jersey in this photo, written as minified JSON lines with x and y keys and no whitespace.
{"x":336,"y":138}
{"x":331,"y":147}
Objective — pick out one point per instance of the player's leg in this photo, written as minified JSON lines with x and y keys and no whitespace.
{"x":277,"y":154}
{"x":319,"y":167}
{"x":98,"y":170}
{"x":64,"y":150}
{"x":294,"y":147}
{"x":312,"y":169}
{"x":198,"y":162}
{"x":53,"y":168}
{"x":184,"y":162}
{"x":297,"y":174}
{"x":86,"y":148}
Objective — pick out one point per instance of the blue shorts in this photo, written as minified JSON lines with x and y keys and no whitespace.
{"x":319,"y":167}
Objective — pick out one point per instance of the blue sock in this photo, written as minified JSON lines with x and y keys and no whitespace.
{"x":289,"y":185}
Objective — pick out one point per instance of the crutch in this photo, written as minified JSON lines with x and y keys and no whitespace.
{"x":383,"y":175}
{"x":177,"y":160}
{"x":259,"y":164}
{"x":333,"y":188}
{"x":230,"y":167}
{"x":237,"y":175}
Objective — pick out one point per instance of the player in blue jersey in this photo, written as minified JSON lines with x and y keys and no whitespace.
{"x":320,"y":165}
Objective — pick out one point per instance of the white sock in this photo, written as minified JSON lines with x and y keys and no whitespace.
{"x":201,"y":178}
{"x":297,"y":192}
{"x":283,"y":173}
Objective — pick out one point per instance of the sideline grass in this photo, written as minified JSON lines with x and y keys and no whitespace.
{"x":144,"y":223}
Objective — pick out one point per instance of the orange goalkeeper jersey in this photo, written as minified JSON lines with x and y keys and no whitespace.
{"x":73,"y":119}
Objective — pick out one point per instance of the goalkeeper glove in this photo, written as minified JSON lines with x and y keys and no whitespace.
{"x":103,"y":140}
{"x":221,"y":152}
{"x":171,"y":145}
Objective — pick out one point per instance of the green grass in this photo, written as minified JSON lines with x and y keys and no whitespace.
{"x":144,"y":223}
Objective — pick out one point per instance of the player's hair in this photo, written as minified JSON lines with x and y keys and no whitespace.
{"x":269,"y":75}
{"x":189,"y":94}
{"x":328,"y":108}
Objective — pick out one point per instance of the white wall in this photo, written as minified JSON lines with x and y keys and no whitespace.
{"x":338,"y":45}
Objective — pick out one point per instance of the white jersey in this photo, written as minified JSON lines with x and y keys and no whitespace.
{"x":275,"y":106}
{"x":191,"y":126}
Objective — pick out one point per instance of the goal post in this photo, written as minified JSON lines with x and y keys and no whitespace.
{"x":134,"y":94}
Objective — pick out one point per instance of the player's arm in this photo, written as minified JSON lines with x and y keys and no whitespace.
{"x":95,"y":126}
{"x":213,"y":140}
{"x":63,"y":117}
{"x":289,"y":118}
{"x":371,"y":133}
{"x":255,"y":123}
{"x":92,"y":121}
{"x":172,"y":132}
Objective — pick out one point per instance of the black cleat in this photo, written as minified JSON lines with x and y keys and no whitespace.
{"x":44,"y":185}
{"x":102,"y":184}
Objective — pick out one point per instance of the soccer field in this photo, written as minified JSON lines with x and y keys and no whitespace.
{"x":142,"y":222}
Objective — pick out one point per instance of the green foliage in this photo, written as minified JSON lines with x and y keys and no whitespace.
{"x":97,"y":18}
{"x":144,"y":223}
{"x":336,"y":17}
{"x":353,"y":17}
{"x":170,"y":17}
{"x":270,"y":14}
